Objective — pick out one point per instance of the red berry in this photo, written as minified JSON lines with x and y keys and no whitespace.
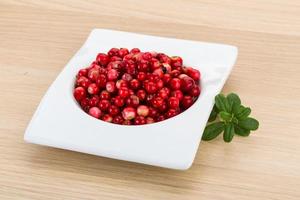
{"x":195,"y":92}
{"x":187,"y":83}
{"x":123,"y":92}
{"x":159,"y":84}
{"x":117,"y":65}
{"x":126,"y":122}
{"x":143,"y":110}
{"x":147,"y":56}
{"x":166,"y":78}
{"x":83,"y":81}
{"x":132,"y":101}
{"x":84,"y":103}
{"x":110,"y":86}
{"x":176,"y":61}
{"x":143,"y":66}
{"x":119,"y":101}
{"x":93,"y":88}
{"x":113,"y":110}
{"x":130,"y":67}
{"x":134,"y":84}
{"x":166,"y":68}
{"x":113,"y":52}
{"x":131,"y":92}
{"x":121,"y":83}
{"x":112,"y":75}
{"x":157,"y":102}
{"x":93,"y":74}
{"x":194,"y":73}
{"x":187,"y":101}
{"x":155,"y":64}
{"x":164,"y":92}
{"x":115,"y":58}
{"x":104,"y":105}
{"x":123,"y":52}
{"x":94,"y":101}
{"x":165,"y":59}
{"x":159,"y":72}
{"x":151,"y":87}
{"x":141,"y":94}
{"x":129,"y":113}
{"x":175,"y":83}
{"x":171,"y":113}
{"x":79,"y":93}
{"x":127,"y":77}
{"x":82,"y":72}
{"x":175,"y":73}
{"x":101,"y":81}
{"x":95,"y":112}
{"x":139,"y":120}
{"x":149,"y":120}
{"x":160,"y":118}
{"x":163,"y":107}
{"x":107,"y":118}
{"x":118,"y":119}
{"x":152,"y":112}
{"x":103,"y":59}
{"x":141,"y":76}
{"x":104,"y":95}
{"x":135,"y":50}
{"x":178,"y":94}
{"x":173,"y":102}
{"x":128,"y":56}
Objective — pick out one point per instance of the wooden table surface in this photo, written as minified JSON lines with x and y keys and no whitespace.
{"x":37,"y":38}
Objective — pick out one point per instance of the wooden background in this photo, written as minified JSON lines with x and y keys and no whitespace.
{"x":37,"y":38}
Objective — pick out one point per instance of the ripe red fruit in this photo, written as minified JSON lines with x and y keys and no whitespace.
{"x":123,"y":52}
{"x":107,"y":118}
{"x":157,"y":102}
{"x":143,"y":66}
{"x":112,"y":75}
{"x":101,"y":81}
{"x":166,"y":78}
{"x":102,"y":59}
{"x":95,"y":112}
{"x":171,"y":113}
{"x":127,"y":77}
{"x":187,"y":101}
{"x":82,"y":72}
{"x":152,"y":112}
{"x":160,"y":118}
{"x":119,"y":101}
{"x":129,"y":113}
{"x":113,"y":52}
{"x":113,"y":110}
{"x":134,"y":84}
{"x":176,"y":61}
{"x":147,"y":56}
{"x":93,"y":101}
{"x":110,"y":86}
{"x":130,"y":67}
{"x":195,"y":92}
{"x":141,"y":94}
{"x":173,"y":102}
{"x":194,"y":73}
{"x":93,"y":88}
{"x":187,"y":83}
{"x":79,"y":93}
{"x":133,"y":101}
{"x":83,"y":81}
{"x":118,"y":119}
{"x":126,"y":122}
{"x":175,"y":73}
{"x":164,"y":92}
{"x":135,"y":50}
{"x":115,"y":58}
{"x":141,"y":76}
{"x":93,"y":74}
{"x":150,"y":87}
{"x":143,"y":110}
{"x":104,"y":95}
{"x":155,"y":64}
{"x":178,"y":94}
{"x":121,"y":83}
{"x":149,"y":120}
{"x":159,"y":84}
{"x":139,"y":120}
{"x":175,"y":83}
{"x":104,"y":105}
{"x":84,"y":103}
{"x":123,"y":92}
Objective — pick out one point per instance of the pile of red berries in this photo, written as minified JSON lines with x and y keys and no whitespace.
{"x":134,"y":87}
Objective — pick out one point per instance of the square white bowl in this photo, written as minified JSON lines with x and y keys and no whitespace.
{"x":60,"y":122}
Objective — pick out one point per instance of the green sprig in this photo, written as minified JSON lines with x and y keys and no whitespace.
{"x":230,"y":117}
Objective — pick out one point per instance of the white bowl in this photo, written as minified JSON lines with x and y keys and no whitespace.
{"x":60,"y":122}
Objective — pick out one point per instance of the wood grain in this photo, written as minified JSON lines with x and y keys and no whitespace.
{"x":37,"y":38}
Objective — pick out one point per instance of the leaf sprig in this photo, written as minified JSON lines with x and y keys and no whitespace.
{"x":230,"y":117}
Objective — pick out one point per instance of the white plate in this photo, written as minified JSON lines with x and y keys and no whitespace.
{"x":173,"y":143}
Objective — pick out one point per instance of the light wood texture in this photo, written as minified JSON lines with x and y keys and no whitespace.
{"x":37,"y":38}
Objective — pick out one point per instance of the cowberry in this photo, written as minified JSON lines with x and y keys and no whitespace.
{"x":143,"y":110}
{"x":134,"y":84}
{"x":102,"y":59}
{"x":187,"y":101}
{"x":139,"y":120}
{"x":175,"y":83}
{"x":79,"y":93}
{"x":95,"y":112}
{"x":113,"y":52}
{"x":123,"y":92}
{"x":93,"y":88}
{"x":195,"y":92}
{"x":123,"y":52}
{"x":107,"y":118}
{"x":141,"y":94}
{"x":118,"y":119}
{"x":129,"y":113}
{"x":83,"y":81}
{"x":173,"y":102}
{"x":110,"y":87}
{"x":104,"y":105}
{"x":113,"y":110}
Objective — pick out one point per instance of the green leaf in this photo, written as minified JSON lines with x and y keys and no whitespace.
{"x":212,"y":131}
{"x":244,"y":113}
{"x":235,"y":120}
{"x":225,"y":116}
{"x":234,"y":101}
{"x":241,"y":131}
{"x":222,"y":103}
{"x":249,"y":124}
{"x":213,"y":114}
{"x":228,"y":132}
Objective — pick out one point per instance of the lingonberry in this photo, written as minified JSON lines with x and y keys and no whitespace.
{"x":163,"y":107}
{"x":93,"y":88}
{"x":79,"y":93}
{"x":187,"y":101}
{"x":135,"y":50}
{"x":121,"y":83}
{"x":95,"y":112}
{"x":133,"y":101}
{"x":195,"y":92}
{"x":104,"y":95}
{"x":166,"y":78}
{"x":117,"y":65}
{"x":101,"y":81}
{"x":187,"y":83}
{"x":194,"y":73}
{"x":83,"y":81}
{"x":178,"y":94}
{"x":112,"y":75}
{"x":115,"y":58}
{"x":119,"y":101}
{"x":143,"y":66}
{"x":129,"y":113}
{"x":127,"y":77}
{"x":139,"y":120}
{"x":155,"y":64}
{"x":113,"y":110}
{"x":159,"y":84}
{"x":84,"y":103}
{"x":141,"y":76}
{"x":134,"y":84}
{"x":107,"y":118}
{"x":171,"y":113}
{"x":118,"y":119}
{"x":94,"y":100}
{"x":160,"y":118}
{"x":149,"y":120}
{"x":175,"y":83}
{"x":166,"y":68}
{"x":104,"y":105}
{"x":173,"y":102}
{"x":123,"y":52}
{"x":150,"y":87}
{"x":164,"y":92}
{"x":176,"y":61}
{"x":143,"y":110}
{"x":123,"y":92}
{"x":82,"y":72}
{"x":152,"y":112}
{"x":93,"y":74}
{"x":110,"y":86}
{"x":147,"y":56}
{"x":175,"y":73}
{"x":157,"y":102}
{"x":127,"y":122}
{"x":131,"y":92}
{"x":102,"y":59}
{"x":113,"y":52}
{"x":141,"y":94}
